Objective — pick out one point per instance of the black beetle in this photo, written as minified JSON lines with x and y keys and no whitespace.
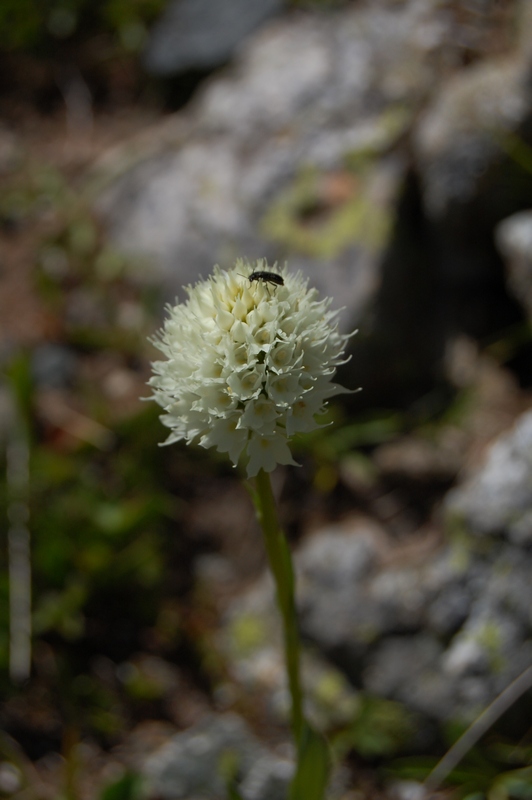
{"x":267,"y":277}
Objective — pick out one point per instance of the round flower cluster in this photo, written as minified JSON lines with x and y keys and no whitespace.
{"x":248,"y":364}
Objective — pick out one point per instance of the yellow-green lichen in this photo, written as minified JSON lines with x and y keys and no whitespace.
{"x":321,"y":215}
{"x":247,"y":633}
{"x":490,"y":639}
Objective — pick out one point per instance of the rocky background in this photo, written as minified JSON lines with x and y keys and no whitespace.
{"x":385,"y":150}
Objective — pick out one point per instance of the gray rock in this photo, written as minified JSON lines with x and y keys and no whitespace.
{"x":482,"y":643}
{"x":53,"y":366}
{"x":348,"y":596}
{"x":333,"y":569}
{"x":455,"y":139}
{"x":464,"y":130}
{"x":466,"y":150}
{"x":498,"y":498}
{"x":407,"y":790}
{"x":267,"y":779}
{"x":190,"y":766}
{"x":199,"y":34}
{"x":490,"y":651}
{"x":289,"y":155}
{"x":443,"y":636}
{"x":503,"y":586}
{"x":301,"y":151}
{"x":514,"y":239}
{"x":407,"y":669}
{"x":449,"y":609}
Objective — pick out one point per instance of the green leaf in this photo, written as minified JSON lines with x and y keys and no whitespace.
{"x":18,"y":373}
{"x":313,"y":767}
{"x":229,"y":769}
{"x":128,"y":787}
{"x":380,"y":728}
{"x":515,"y":784}
{"x":233,"y":793}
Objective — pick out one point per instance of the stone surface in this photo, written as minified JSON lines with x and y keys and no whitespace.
{"x":199,"y":34}
{"x":514,"y":239}
{"x":461,"y":133}
{"x":498,"y":498}
{"x":291,"y":154}
{"x":53,"y":365}
{"x":406,"y":668}
{"x":467,"y":147}
{"x":191,"y":765}
{"x":333,"y":569}
{"x":347,"y":143}
{"x":267,"y":779}
{"x":443,"y":634}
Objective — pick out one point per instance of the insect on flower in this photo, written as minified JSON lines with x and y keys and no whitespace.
{"x":272,"y":278}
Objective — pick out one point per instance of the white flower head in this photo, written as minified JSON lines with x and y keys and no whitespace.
{"x":247,"y":364}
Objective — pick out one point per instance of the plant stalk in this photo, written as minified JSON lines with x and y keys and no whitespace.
{"x":280,"y":562}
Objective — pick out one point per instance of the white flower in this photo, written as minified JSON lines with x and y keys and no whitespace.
{"x":248,"y":364}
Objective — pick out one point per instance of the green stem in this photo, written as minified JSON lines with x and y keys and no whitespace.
{"x":281,"y":566}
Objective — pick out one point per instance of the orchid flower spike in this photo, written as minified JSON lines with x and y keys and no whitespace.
{"x":248,"y":363}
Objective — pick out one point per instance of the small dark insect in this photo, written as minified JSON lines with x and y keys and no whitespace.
{"x":268,"y":277}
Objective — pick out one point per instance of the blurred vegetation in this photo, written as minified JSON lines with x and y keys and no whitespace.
{"x":36,"y":25}
{"x":112,"y":561}
{"x":108,"y":565}
{"x":499,"y":768}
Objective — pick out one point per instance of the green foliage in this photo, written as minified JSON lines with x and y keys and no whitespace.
{"x":380,"y":728}
{"x":102,"y":516}
{"x":494,"y":770}
{"x":313,"y":767}
{"x":33,"y":25}
{"x":233,"y":793}
{"x":20,"y":23}
{"x":32,"y":189}
{"x":102,"y":530}
{"x":247,"y":632}
{"x":229,"y":768}
{"x":338,"y":442}
{"x":18,"y":375}
{"x":98,"y":531}
{"x":127,"y":787}
{"x":331,"y":443}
